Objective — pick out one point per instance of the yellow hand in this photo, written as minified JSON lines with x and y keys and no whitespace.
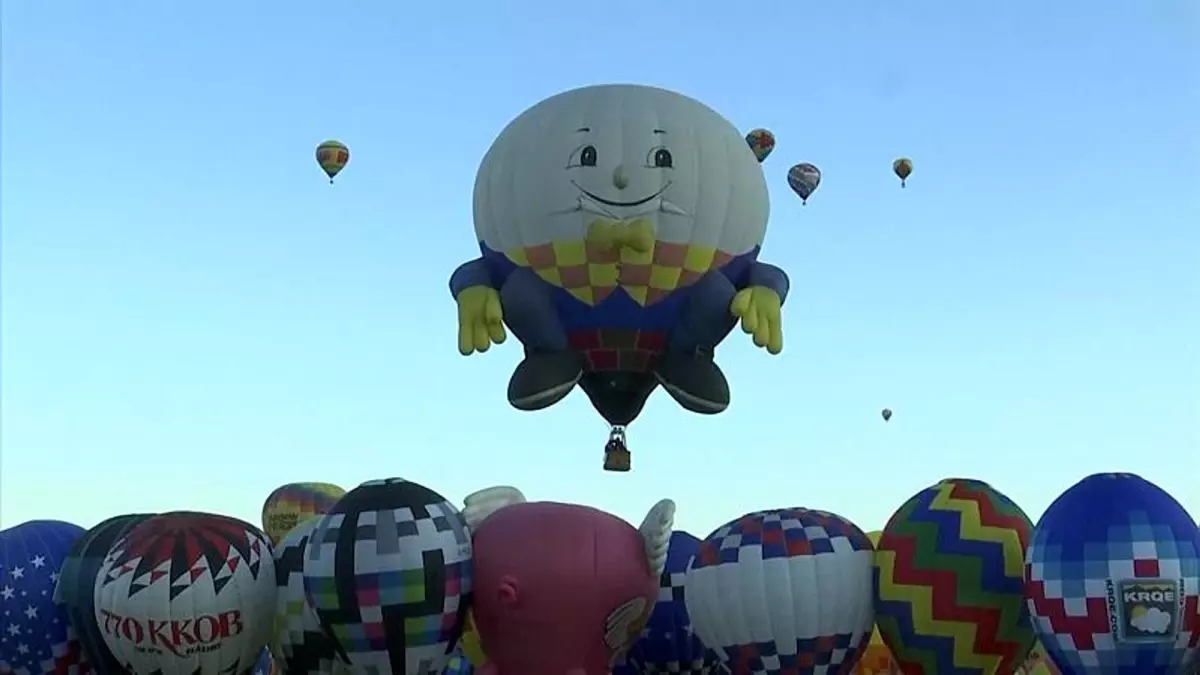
{"x":759,"y":308}
{"x":480,"y":320}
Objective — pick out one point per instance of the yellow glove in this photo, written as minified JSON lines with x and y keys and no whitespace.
{"x":759,"y":308}
{"x":480,"y":319}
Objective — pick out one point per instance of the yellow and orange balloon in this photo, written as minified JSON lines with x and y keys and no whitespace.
{"x":289,"y":505}
{"x":332,"y":157}
{"x":876,"y":658}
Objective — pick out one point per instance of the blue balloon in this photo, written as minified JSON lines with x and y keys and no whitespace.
{"x":76,"y":590}
{"x":668,"y":643}
{"x":459,"y":664}
{"x":35,"y":637}
{"x":1112,"y":579}
{"x":263,"y":665}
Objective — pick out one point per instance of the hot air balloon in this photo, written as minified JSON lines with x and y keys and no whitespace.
{"x":35,"y":637}
{"x":812,"y":567}
{"x":459,"y":664}
{"x":876,"y":658}
{"x":187,"y":593}
{"x":886,"y":413}
{"x":469,"y":644}
{"x":1037,"y":663}
{"x":903,"y":169}
{"x":388,"y":571}
{"x":265,"y":665}
{"x":1112,"y":577}
{"x":668,"y":643}
{"x":948,"y":583}
{"x":76,"y":589}
{"x":299,"y":644}
{"x":289,"y":505}
{"x":761,"y":142}
{"x":332,"y":157}
{"x":804,"y":179}
{"x":576,"y":260}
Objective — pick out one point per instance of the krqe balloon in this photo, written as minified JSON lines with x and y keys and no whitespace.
{"x":332,"y":157}
{"x":876,"y":658}
{"x":77,"y":585}
{"x":669,"y":643}
{"x":562,"y":589}
{"x":1112,"y":578}
{"x":298,"y":643}
{"x":35,"y":637}
{"x":804,"y":179}
{"x":389,"y":572}
{"x":783,"y":591}
{"x":948,"y":581}
{"x":187,"y":594}
{"x":620,"y":229}
{"x":289,"y":505}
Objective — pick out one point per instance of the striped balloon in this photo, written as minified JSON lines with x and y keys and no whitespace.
{"x":949,"y":582}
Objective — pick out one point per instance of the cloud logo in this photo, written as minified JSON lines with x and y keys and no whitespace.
{"x":1154,"y":621}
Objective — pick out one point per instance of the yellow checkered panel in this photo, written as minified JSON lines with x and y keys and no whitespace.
{"x":591,"y":273}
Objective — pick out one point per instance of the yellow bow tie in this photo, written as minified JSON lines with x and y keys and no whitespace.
{"x":637,"y":235}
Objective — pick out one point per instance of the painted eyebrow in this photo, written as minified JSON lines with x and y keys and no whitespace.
{"x":583,"y":130}
{"x":659,"y":131}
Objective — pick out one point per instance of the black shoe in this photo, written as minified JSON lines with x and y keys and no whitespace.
{"x":694,"y":381}
{"x":542,"y":380}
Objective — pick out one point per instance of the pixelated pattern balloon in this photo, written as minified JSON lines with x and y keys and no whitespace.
{"x":949,"y":581}
{"x":388,"y":571}
{"x":298,"y":643}
{"x":784,"y":591}
{"x":1112,"y":578}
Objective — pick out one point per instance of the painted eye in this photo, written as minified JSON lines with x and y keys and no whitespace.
{"x":587,"y":156}
{"x":660,"y":158}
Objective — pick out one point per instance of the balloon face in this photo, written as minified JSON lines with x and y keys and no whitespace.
{"x":804,"y":179}
{"x":669,"y":643}
{"x":812,"y":567}
{"x":187,"y":593}
{"x":761,"y":142}
{"x":388,"y":571}
{"x":289,"y":505}
{"x":299,"y":644}
{"x":35,"y":637}
{"x":948,"y":581}
{"x":572,"y":184}
{"x":332,"y":157}
{"x":1112,"y":577}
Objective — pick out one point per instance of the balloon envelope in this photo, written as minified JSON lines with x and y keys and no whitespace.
{"x":669,"y":643}
{"x":761,"y":142}
{"x":1112,"y":577}
{"x":382,"y":545}
{"x":187,"y":593}
{"x":804,"y":180}
{"x":902,"y":168}
{"x":949,"y":584}
{"x":801,"y":582}
{"x":332,"y":157}
{"x":36,"y":637}
{"x":299,"y":644}
{"x":77,"y":583}
{"x":876,"y":658}
{"x":289,"y":505}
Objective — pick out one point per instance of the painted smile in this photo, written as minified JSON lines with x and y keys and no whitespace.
{"x":609,"y":202}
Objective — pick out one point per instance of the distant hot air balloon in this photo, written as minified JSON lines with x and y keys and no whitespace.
{"x":77,"y":584}
{"x":948,"y":581}
{"x":886,"y":414}
{"x":762,"y":142}
{"x":35,"y":637}
{"x":903,"y":169}
{"x":187,"y":594}
{"x":299,"y":644}
{"x":332,"y":157}
{"x":812,"y":567}
{"x":876,"y":658}
{"x":391,"y":556}
{"x":669,"y":643}
{"x":289,"y":505}
{"x":804,"y":180}
{"x":1112,"y":578}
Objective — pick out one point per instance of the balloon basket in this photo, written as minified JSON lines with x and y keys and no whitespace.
{"x":616,"y":453}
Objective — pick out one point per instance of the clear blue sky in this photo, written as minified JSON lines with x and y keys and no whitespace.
{"x":191,"y":315}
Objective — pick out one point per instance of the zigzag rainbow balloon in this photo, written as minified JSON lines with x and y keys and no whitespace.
{"x":948,"y":581}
